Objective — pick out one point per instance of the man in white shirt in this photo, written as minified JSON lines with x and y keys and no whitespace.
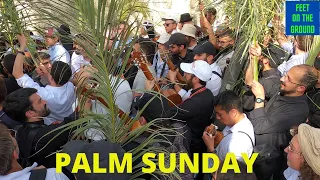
{"x":10,"y":169}
{"x":60,"y":94}
{"x":238,"y":133}
{"x":170,"y":24}
{"x":302,"y":45}
{"x":56,"y":51}
{"x":204,"y":51}
{"x":79,"y":57}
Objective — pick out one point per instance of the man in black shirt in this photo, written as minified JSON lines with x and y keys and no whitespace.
{"x":196,"y":110}
{"x":272,"y":122}
{"x":314,"y":100}
{"x":10,"y":82}
{"x":26,"y":106}
{"x":178,"y":47}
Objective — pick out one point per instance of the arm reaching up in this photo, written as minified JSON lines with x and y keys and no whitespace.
{"x":18,"y":64}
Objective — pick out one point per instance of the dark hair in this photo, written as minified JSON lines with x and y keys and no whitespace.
{"x":306,"y":172}
{"x":211,"y":10}
{"x":6,"y":150}
{"x":229,"y":100}
{"x":8,"y":62}
{"x":61,"y":72}
{"x":42,"y":55}
{"x":18,"y":103}
{"x":3,"y":90}
{"x":231,"y":175}
{"x":310,"y":78}
{"x":148,"y":47}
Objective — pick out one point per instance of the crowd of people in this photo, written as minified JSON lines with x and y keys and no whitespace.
{"x":277,"y":116}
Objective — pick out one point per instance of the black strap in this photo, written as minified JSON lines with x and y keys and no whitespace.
{"x":216,"y":73}
{"x":162,"y":70}
{"x":38,"y":174}
{"x":249,"y":137}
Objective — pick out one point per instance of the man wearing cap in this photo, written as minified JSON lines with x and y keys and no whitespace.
{"x":178,"y":47}
{"x":170,"y":24}
{"x":196,"y":110}
{"x":269,"y":59}
{"x":187,"y":19}
{"x":158,"y":64}
{"x":205,"y":51}
{"x":189,"y":31}
{"x":56,"y":51}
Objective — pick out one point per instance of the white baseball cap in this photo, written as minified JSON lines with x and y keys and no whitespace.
{"x":163,"y":38}
{"x":201,"y":69}
{"x":170,"y":17}
{"x":189,"y":30}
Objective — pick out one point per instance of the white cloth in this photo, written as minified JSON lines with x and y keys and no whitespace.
{"x":293,"y":61}
{"x":123,"y":98}
{"x":58,"y":53}
{"x":77,"y":61}
{"x":222,"y":60}
{"x":237,"y":142}
{"x":213,"y":85}
{"x":26,"y":172}
{"x":291,"y":174}
{"x":288,"y":46}
{"x":140,"y":79}
{"x":60,"y":100}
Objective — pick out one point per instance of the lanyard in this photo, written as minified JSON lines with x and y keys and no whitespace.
{"x":197,"y":92}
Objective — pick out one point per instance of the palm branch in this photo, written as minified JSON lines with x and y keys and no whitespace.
{"x":95,"y":21}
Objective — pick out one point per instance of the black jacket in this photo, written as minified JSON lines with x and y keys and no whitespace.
{"x":314,"y":104}
{"x":196,"y":112}
{"x":177,"y":60}
{"x":273,"y":122}
{"x":40,"y":141}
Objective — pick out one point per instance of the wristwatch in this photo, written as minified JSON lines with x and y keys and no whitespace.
{"x":259,"y":100}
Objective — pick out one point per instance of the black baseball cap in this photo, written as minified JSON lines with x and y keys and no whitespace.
{"x":176,"y":38}
{"x":205,"y":47}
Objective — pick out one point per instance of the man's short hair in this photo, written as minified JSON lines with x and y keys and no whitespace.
{"x":148,"y":47}
{"x":61,"y":72}
{"x":6,"y":150}
{"x":304,"y":42}
{"x":8,"y":62}
{"x":42,"y":55}
{"x":229,"y":100}
{"x":211,"y":10}
{"x":3,"y":90}
{"x":310,"y":78}
{"x":18,"y":103}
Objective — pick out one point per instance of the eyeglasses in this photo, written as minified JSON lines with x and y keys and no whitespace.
{"x":13,"y":132}
{"x":288,"y":79}
{"x":292,"y":149}
{"x":167,"y":24}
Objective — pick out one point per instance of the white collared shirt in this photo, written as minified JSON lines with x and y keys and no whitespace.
{"x":214,"y":84}
{"x":237,"y":142}
{"x":26,"y":172}
{"x":60,"y":100}
{"x":77,"y":61}
{"x":293,"y":61}
{"x":58,"y":53}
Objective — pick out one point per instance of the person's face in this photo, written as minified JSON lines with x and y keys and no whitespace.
{"x":162,"y":47}
{"x":290,"y":82}
{"x":143,"y":31}
{"x":46,"y":63}
{"x":189,"y":80}
{"x":39,"y":107}
{"x":136,"y":47}
{"x":175,"y":49}
{"x":169,"y":25}
{"x":50,"y":41}
{"x":224,"y":42}
{"x":121,"y":28}
{"x":294,"y":154}
{"x":223,"y":116}
{"x":202,"y":56}
{"x":210,"y":17}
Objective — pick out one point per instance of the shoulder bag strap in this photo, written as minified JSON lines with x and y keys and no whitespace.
{"x":38,"y":174}
{"x":216,"y":73}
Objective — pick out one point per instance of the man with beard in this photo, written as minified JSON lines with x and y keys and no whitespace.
{"x":197,"y":109}
{"x":272,"y":122}
{"x":27,"y":107}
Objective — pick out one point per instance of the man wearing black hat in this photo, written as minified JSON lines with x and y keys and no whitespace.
{"x":178,"y":47}
{"x":269,"y":59}
{"x":204,"y":51}
{"x":187,"y":19}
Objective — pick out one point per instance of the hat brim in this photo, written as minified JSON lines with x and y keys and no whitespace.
{"x":188,"y":34}
{"x":185,"y":20}
{"x":164,"y":19}
{"x":186,"y":67}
